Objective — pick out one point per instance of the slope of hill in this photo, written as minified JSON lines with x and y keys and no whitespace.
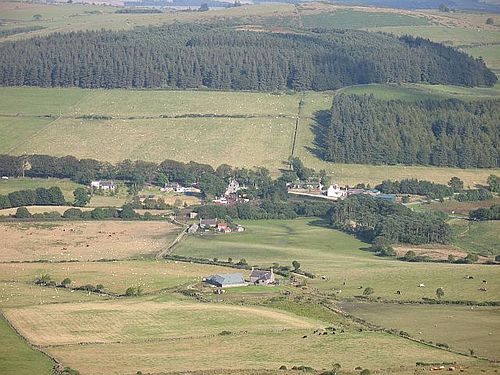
{"x":221,"y":58}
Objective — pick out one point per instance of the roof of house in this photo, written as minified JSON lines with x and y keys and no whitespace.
{"x":261,"y":274}
{"x":106,"y":183}
{"x":227,"y":278}
{"x":208,"y":221}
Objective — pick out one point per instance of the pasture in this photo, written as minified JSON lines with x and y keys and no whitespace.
{"x":239,"y":352}
{"x":352,"y":19}
{"x":461,"y":327}
{"x":240,"y":129}
{"x":117,"y":276}
{"x":17,"y":358}
{"x":83,"y":240}
{"x":477,"y":236}
{"x":341,"y":259}
{"x":79,"y":323}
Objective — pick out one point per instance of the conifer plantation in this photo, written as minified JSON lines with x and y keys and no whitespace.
{"x":451,"y":132}
{"x":191,"y":56}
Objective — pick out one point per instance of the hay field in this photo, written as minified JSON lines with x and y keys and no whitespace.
{"x":340,"y":257}
{"x":110,"y":321}
{"x":461,"y":327}
{"x":82,"y":240}
{"x":151,"y":276}
{"x":238,"y":142}
{"x":235,"y":353}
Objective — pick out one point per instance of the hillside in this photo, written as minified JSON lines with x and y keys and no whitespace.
{"x":220,"y":58}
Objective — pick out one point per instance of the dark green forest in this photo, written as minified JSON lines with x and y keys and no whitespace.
{"x":192,"y":56}
{"x":451,"y":133}
{"x":376,"y":220}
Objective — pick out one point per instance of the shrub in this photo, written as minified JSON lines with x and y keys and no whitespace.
{"x":72,"y":213}
{"x":66,"y":282}
{"x":368,"y":291}
{"x":365,"y":372}
{"x":131,"y":291}
{"x":22,"y":213}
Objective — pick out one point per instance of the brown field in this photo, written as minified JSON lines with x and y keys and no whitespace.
{"x":257,"y":351}
{"x":82,"y":241}
{"x":111,"y":321}
{"x":456,"y":207}
{"x":434,"y":252}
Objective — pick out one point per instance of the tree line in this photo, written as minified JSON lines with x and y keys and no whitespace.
{"x":416,"y":187}
{"x":220,"y":57}
{"x":138,"y":172}
{"x":483,"y":213}
{"x":377,"y":220}
{"x":52,"y":196}
{"x":452,"y":133}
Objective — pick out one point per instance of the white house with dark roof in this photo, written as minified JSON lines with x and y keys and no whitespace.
{"x":103,"y":185}
{"x":261,"y":277}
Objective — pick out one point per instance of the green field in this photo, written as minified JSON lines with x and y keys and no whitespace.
{"x":477,"y":237}
{"x":17,"y":358}
{"x":240,"y":129}
{"x":349,"y":19}
{"x":461,"y":327}
{"x":339,"y":257}
{"x":413,"y":92}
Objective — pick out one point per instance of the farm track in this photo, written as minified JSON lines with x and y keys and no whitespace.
{"x":168,"y":250}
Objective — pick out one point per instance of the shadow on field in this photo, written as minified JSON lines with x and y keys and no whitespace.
{"x":320,"y":222}
{"x":319,"y":127}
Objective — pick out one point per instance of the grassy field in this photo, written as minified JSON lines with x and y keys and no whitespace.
{"x":15,"y":184}
{"x":17,"y":358}
{"x":164,"y":330}
{"x":79,"y":323}
{"x":211,"y":141}
{"x":452,"y":206}
{"x":477,"y":237}
{"x":116,"y":276}
{"x":238,"y":352}
{"x":256,"y":128}
{"x":340,"y":258}
{"x":80,"y":240}
{"x":78,"y":17}
{"x":461,"y":327}
{"x":351,"y":19}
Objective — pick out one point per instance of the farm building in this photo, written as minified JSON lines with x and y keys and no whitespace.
{"x":232,"y":187}
{"x":336,"y":192}
{"x":261,"y":277}
{"x":208,"y":223}
{"x":223,"y":227}
{"x":173,"y":187}
{"x":225,"y":280}
{"x":103,"y":185}
{"x":193,"y":229}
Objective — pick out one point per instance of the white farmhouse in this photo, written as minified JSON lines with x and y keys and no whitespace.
{"x":336,"y":192}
